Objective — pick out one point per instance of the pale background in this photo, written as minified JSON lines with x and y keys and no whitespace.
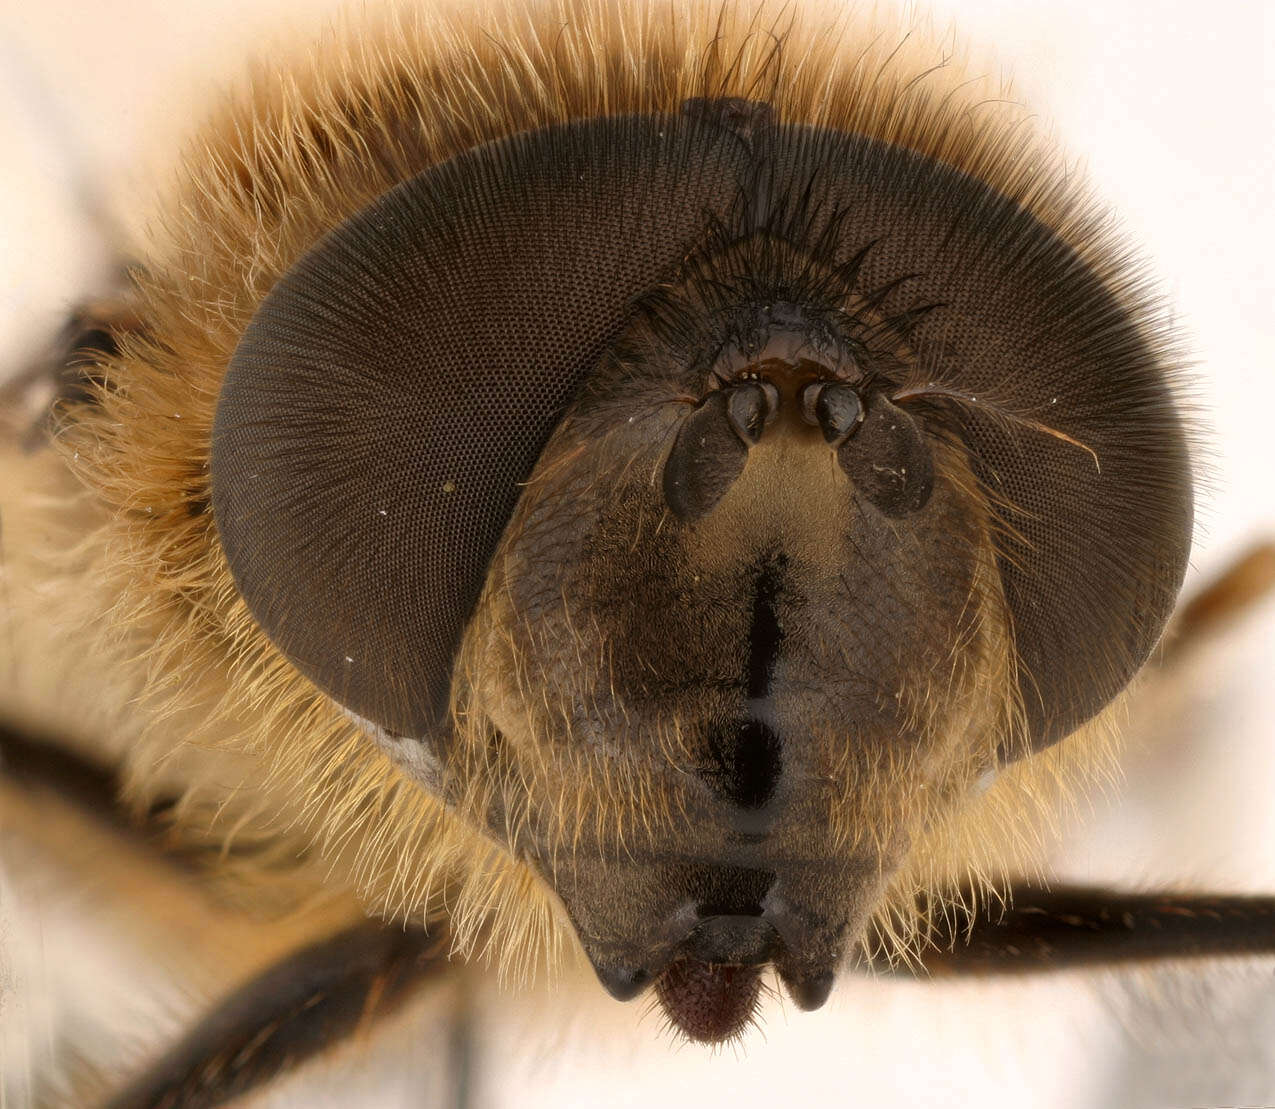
{"x":1172,"y":109}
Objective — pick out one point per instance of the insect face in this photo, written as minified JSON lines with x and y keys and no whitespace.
{"x":675,"y":548}
{"x":726,"y":725}
{"x":697,"y":457}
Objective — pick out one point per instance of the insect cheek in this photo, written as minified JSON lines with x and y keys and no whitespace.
{"x":709,"y":715}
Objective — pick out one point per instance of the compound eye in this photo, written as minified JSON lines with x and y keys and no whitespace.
{"x":397,"y":385}
{"x":395,"y":389}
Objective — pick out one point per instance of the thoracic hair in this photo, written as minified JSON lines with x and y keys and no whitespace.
{"x":218,"y":713}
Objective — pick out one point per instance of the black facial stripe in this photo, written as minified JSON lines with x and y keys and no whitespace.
{"x":752,"y":764}
{"x":746,"y":754}
{"x":764,"y":633}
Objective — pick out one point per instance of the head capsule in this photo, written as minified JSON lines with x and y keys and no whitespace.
{"x":701,"y":504}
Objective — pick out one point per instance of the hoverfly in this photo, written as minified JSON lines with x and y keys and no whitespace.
{"x":659,"y":489}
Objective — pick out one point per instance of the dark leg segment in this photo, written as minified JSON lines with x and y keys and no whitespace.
{"x":1239,"y":589}
{"x":37,"y":762}
{"x":311,"y":1001}
{"x":1073,"y":926}
{"x":71,"y":370}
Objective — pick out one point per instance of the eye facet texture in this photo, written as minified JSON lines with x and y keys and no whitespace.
{"x":398,"y":385}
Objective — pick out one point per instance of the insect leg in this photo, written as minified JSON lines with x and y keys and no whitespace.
{"x":312,"y":999}
{"x":1240,"y":587}
{"x":1076,"y":926}
{"x":70,"y":368}
{"x":310,"y":995}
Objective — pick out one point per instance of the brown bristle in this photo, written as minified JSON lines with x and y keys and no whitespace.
{"x":709,"y":1003}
